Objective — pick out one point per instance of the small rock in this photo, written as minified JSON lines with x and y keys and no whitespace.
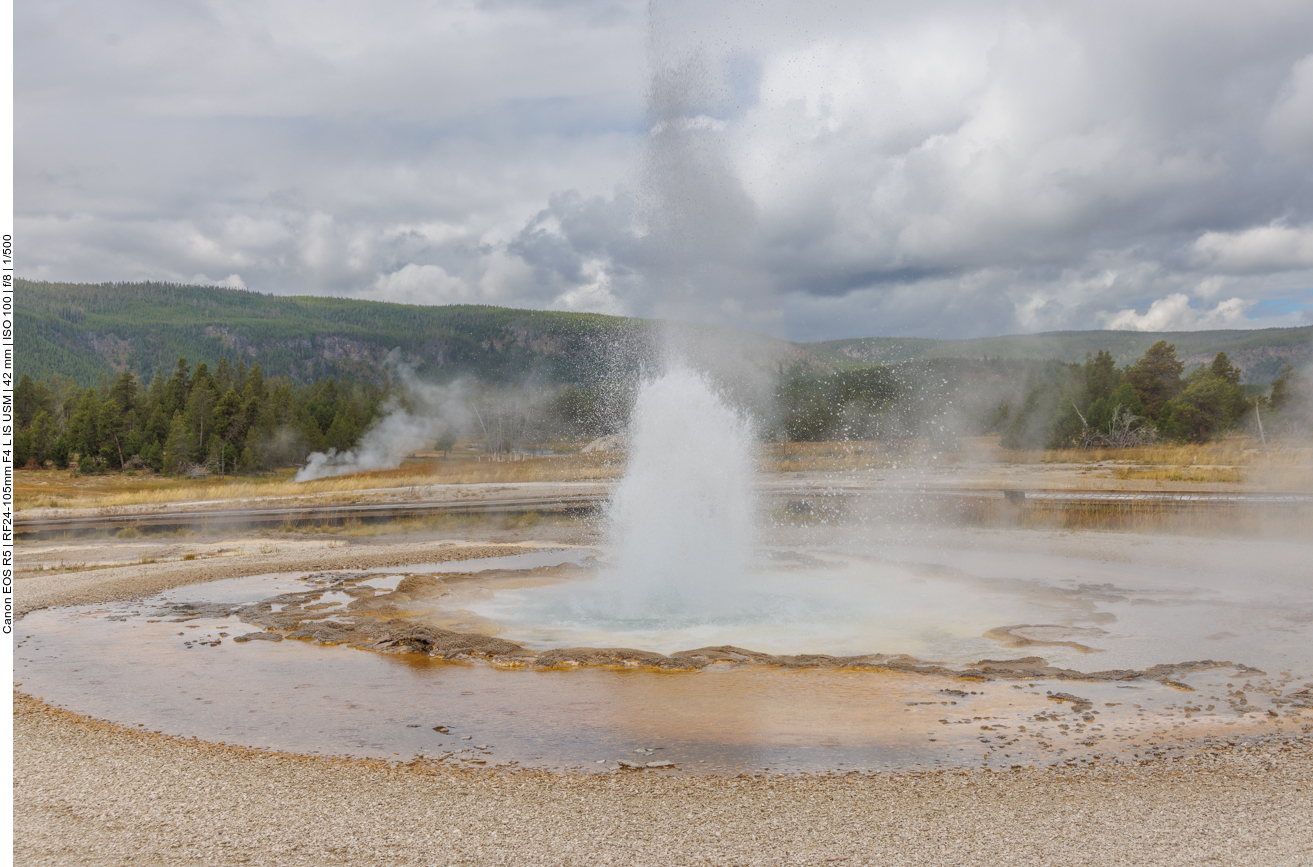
{"x":633,"y":766}
{"x":442,"y":730}
{"x":660,"y":764}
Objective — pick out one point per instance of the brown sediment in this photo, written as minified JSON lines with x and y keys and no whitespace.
{"x":377,"y":622}
{"x":1044,"y":634}
{"x":382,"y":622}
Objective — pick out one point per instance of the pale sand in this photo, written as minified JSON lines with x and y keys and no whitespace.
{"x":92,"y":794}
{"x":89,"y":793}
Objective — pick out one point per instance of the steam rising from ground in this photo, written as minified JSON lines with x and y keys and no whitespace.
{"x":681,"y":520}
{"x":410,"y":422}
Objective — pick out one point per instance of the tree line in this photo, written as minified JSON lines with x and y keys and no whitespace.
{"x":235,"y":420}
{"x":231,"y":419}
{"x":1099,"y":404}
{"x":1037,"y":404}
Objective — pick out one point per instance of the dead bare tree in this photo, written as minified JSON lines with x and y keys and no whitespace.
{"x":1125,"y":430}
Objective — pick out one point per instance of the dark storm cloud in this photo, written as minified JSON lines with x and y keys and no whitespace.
{"x":815,"y":170}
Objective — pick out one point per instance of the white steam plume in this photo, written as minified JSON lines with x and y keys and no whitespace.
{"x":410,"y":422}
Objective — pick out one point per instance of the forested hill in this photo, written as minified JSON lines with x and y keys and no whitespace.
{"x":1260,"y":354}
{"x":86,"y":330}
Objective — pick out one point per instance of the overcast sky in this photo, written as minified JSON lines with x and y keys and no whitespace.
{"x":810,"y":170}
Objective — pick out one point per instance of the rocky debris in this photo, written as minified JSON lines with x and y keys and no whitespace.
{"x":1047,"y":634}
{"x":1170,"y":674}
{"x":324,"y":631}
{"x":443,"y":644}
{"x":1035,"y":667}
{"x":420,"y":587}
{"x":1299,"y":700}
{"x":1078,"y":704}
{"x":399,"y":635}
{"x":572,"y":657}
{"x":184,"y":611}
{"x":366,"y":625}
{"x":372,"y":620}
{"x":609,"y":443}
{"x":704,"y":656}
{"x":259,"y":636}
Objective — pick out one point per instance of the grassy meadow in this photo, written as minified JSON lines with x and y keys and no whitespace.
{"x":1231,"y":463}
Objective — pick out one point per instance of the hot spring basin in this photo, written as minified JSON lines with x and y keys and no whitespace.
{"x":134,"y":663}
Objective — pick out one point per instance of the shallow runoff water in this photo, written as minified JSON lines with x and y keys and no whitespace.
{"x":141,"y":664}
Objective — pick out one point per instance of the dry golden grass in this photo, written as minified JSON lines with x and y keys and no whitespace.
{"x":1233,"y":461}
{"x":822,"y":457}
{"x":64,"y":489}
{"x":1232,"y":452}
{"x":868,"y":455}
{"x":1220,"y":475}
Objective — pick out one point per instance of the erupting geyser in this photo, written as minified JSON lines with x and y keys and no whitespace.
{"x":680,"y":522}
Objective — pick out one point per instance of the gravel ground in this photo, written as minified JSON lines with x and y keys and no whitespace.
{"x":92,"y":793}
{"x":89,"y":793}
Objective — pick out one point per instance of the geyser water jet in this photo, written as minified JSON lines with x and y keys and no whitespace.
{"x":680,"y":522}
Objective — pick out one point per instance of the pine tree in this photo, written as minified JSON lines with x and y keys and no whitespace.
{"x":177,"y":389}
{"x":177,"y":447}
{"x":84,"y":425}
{"x":1100,"y":375}
{"x":1156,"y":377}
{"x":113,"y":433}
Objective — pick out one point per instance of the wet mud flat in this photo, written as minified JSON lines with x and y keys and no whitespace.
{"x":356,"y":662}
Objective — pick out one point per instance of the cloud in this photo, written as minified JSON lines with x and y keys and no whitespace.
{"x":849,"y":168}
{"x":1263,"y":249}
{"x":232,"y":281}
{"x":1174,"y":313}
{"x":422,"y":284}
{"x":1289,"y":126}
